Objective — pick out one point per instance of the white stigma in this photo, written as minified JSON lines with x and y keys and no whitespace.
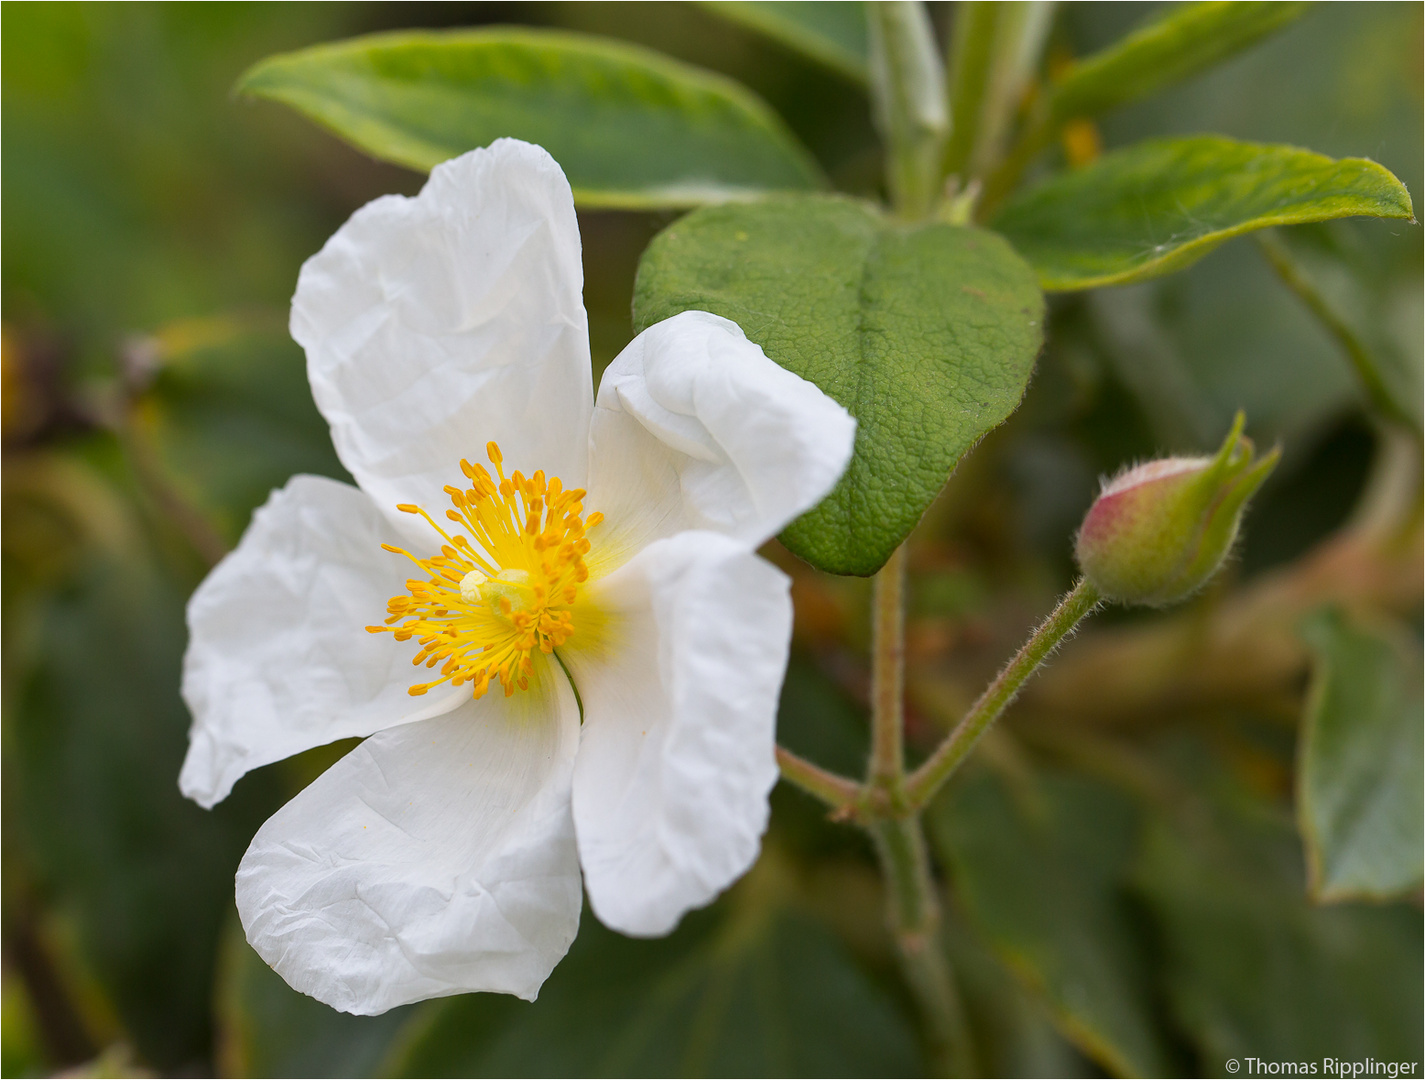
{"x":470,"y":586}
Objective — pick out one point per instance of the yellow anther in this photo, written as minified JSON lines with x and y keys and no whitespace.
{"x":502,"y":584}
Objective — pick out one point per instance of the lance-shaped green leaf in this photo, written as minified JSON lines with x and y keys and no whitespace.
{"x":1162,"y":204}
{"x":1167,"y":50}
{"x":760,"y":993}
{"x":630,"y":127}
{"x":1359,"y":779}
{"x":1041,"y":871}
{"x":832,"y":33}
{"x":926,"y":333}
{"x":1250,"y":966}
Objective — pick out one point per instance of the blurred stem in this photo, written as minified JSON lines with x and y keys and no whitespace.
{"x":922,"y":785}
{"x":972,"y":52}
{"x":997,"y":48}
{"x":914,"y":915}
{"x":836,"y":791}
{"x":908,"y":102}
{"x":1038,"y":132}
{"x":887,"y":766}
{"x":1364,"y":364}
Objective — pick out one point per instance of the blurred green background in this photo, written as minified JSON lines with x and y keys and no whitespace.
{"x":1131,"y":900}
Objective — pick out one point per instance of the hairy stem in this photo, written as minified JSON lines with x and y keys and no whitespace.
{"x":836,"y":791}
{"x":922,"y":785}
{"x":887,"y":765}
{"x":913,"y":911}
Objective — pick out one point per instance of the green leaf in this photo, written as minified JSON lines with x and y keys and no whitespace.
{"x":745,"y":993}
{"x":1186,"y":40}
{"x":926,"y":333}
{"x":1252,"y":967}
{"x":265,"y":1028}
{"x":1013,"y":1029}
{"x":832,"y":32}
{"x":1040,"y":870}
{"x":1359,"y":784}
{"x":630,"y":127}
{"x":95,"y":738}
{"x":1351,"y":297}
{"x":1162,"y":204}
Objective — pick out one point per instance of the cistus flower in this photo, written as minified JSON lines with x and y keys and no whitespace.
{"x":598,"y":562}
{"x":1159,"y":531}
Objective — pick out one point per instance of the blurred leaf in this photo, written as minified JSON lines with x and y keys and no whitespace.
{"x":1351,"y":302}
{"x":1359,"y":785}
{"x":1253,"y":968}
{"x":1163,"y":204}
{"x":1013,"y":1029}
{"x":21,"y":1052}
{"x":96,"y":737}
{"x":265,"y":1028}
{"x":1040,"y":870}
{"x":630,"y":127}
{"x":1173,"y":47}
{"x":232,"y":417}
{"x":832,"y":32}
{"x":745,"y":993}
{"x":927,"y":334}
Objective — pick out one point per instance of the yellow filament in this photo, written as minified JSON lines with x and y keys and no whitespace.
{"x":486,"y":606}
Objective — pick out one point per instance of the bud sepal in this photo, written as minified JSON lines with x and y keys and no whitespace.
{"x":1159,"y":531}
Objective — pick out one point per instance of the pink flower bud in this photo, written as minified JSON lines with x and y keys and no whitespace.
{"x":1159,"y":531}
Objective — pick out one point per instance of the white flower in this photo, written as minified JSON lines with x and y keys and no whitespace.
{"x":443,"y":854}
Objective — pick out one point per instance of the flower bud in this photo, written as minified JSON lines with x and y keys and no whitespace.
{"x":1159,"y":531}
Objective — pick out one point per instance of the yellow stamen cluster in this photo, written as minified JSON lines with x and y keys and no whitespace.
{"x":488,"y":605}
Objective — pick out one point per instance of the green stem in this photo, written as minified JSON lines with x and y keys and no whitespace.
{"x":921,"y":785}
{"x":913,"y":911}
{"x":972,"y":56}
{"x":836,"y":791}
{"x":908,"y":100}
{"x":887,"y":765}
{"x":1364,"y":364}
{"x":997,"y":48}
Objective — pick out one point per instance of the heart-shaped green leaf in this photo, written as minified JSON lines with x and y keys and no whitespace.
{"x":630,"y":127}
{"x":1162,"y":204}
{"x":1359,"y":785}
{"x":926,"y":333}
{"x":833,"y":33}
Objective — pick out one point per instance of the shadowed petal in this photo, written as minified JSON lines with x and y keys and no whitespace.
{"x":680,"y":691}
{"x":434,"y":859}
{"x":278,"y":657}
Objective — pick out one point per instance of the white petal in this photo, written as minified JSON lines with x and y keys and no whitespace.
{"x":434,"y":859}
{"x":278,"y":657}
{"x":696,"y":429}
{"x":435,"y":324}
{"x":678,"y":750}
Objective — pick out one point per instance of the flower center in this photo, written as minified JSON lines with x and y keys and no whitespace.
{"x":488,"y":605}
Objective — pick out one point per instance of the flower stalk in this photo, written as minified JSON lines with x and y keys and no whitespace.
{"x":922,"y":784}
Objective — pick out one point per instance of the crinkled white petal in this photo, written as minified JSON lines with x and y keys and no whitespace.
{"x":437,"y":323}
{"x":695,"y":428}
{"x":434,"y":859}
{"x":278,"y":657}
{"x":680,"y":686}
